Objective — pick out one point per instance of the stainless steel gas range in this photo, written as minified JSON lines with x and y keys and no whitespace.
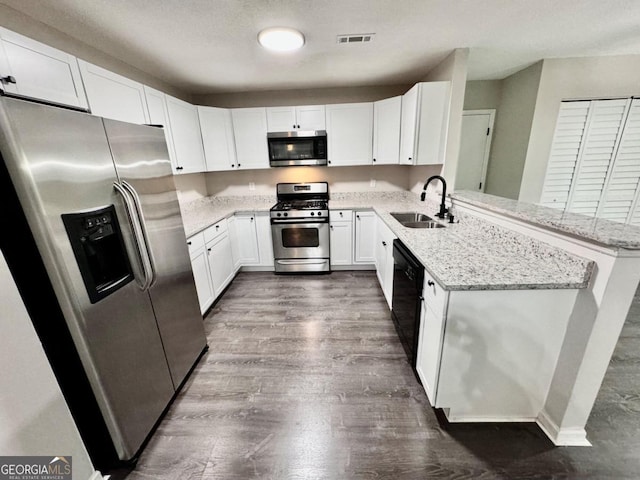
{"x":300,"y":228}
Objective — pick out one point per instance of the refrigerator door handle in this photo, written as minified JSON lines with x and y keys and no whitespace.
{"x":137,"y":234}
{"x":143,"y":226}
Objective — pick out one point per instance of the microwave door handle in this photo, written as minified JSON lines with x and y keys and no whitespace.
{"x":145,"y":233}
{"x":137,"y":236}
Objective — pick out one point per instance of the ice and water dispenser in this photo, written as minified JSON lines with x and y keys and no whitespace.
{"x":99,"y":249}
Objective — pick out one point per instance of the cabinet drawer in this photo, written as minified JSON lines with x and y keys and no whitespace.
{"x":214,"y":230}
{"x":338,"y":215}
{"x":195,"y":243}
{"x":434,"y":295}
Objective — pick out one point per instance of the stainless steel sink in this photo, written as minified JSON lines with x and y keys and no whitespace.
{"x":416,"y":220}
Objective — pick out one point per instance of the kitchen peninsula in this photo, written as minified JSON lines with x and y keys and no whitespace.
{"x":514,"y":305}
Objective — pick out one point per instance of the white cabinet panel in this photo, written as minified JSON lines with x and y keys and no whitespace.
{"x":202,"y":277}
{"x":365,"y":237}
{"x":158,"y":115}
{"x":217,"y":138}
{"x":220,"y":262}
{"x":246,"y":239}
{"x":265,"y":243}
{"x":425,"y":122}
{"x":250,"y":132}
{"x":233,"y":235}
{"x":40,"y":71}
{"x":113,"y":96}
{"x":187,"y":139}
{"x":350,"y":134}
{"x":386,"y":131}
{"x":341,"y":238}
{"x":384,"y":258}
{"x":429,"y":350}
{"x":306,"y":117}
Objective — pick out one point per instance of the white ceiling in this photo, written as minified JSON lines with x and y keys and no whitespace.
{"x":209,"y":46}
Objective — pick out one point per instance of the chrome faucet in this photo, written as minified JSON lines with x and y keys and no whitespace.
{"x":443,"y":210}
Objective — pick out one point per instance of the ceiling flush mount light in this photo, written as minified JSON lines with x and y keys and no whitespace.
{"x":281,"y":39}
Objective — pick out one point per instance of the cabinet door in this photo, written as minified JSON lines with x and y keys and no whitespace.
{"x":220,"y":262}
{"x":386,"y":131}
{"x":247,"y":239}
{"x":341,"y":243}
{"x":201,"y":275}
{"x":233,"y":237}
{"x":158,"y":115}
{"x":408,"y":126}
{"x":217,"y":138}
{"x":429,"y":350}
{"x":40,"y":71}
{"x":113,"y":96}
{"x":365,"y":237}
{"x":250,"y":132}
{"x":311,"y":117}
{"x":187,"y":140}
{"x":265,"y":243}
{"x":384,"y":258}
{"x":350,"y":134}
{"x":281,"y":119}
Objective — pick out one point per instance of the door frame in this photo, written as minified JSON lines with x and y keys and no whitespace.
{"x":487,"y":149}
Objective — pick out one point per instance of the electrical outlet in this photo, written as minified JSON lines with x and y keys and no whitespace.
{"x":252,"y":186}
{"x":373,"y":183}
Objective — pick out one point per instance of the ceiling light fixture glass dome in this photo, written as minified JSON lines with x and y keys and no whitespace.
{"x":281,"y":39}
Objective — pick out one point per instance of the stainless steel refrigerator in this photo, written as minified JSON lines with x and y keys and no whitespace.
{"x":99,"y":200}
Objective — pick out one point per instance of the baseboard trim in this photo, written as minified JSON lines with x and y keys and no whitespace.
{"x":562,"y":437}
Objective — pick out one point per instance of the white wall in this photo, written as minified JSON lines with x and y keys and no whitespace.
{"x":511,"y":132}
{"x":34,"y":418}
{"x":570,"y":79}
{"x":483,"y":95}
{"x":454,"y":69}
{"x":341,"y":179}
{"x":191,"y":186}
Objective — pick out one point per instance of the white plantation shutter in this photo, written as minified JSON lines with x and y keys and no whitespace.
{"x":602,"y":135}
{"x":622,"y":184}
{"x":565,"y":149}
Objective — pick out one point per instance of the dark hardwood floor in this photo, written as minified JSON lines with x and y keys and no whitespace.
{"x":306,"y":379}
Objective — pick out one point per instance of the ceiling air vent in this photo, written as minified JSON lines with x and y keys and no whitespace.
{"x":356,"y":38}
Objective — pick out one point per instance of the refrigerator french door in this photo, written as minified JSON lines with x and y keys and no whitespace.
{"x":99,"y":200}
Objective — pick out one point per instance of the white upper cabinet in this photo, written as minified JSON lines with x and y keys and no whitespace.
{"x":425,"y":121}
{"x":39,"y":71}
{"x":350,"y":134}
{"x":187,"y":139}
{"x":158,"y":115}
{"x":306,"y":117}
{"x":113,"y":96}
{"x":250,"y":132}
{"x":217,"y":138}
{"x":386,"y":131}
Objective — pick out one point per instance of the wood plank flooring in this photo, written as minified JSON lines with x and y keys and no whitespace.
{"x":306,"y":379}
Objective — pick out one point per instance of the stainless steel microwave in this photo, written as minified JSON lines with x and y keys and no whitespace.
{"x":288,"y":149}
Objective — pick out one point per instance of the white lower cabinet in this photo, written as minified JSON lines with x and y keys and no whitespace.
{"x":341,"y":237}
{"x":220,"y":262}
{"x":246,"y":240}
{"x":200,"y":267}
{"x":265,"y":244}
{"x":364,"y":236}
{"x":384,"y":258}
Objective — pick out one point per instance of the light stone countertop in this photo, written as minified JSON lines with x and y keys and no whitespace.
{"x":596,"y":230}
{"x":470,"y":255}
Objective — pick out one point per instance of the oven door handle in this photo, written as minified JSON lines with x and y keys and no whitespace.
{"x":276,"y":221}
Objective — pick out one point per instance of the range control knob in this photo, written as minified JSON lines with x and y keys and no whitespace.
{"x":319,"y":214}
{"x":312,"y":214}
{"x":279,"y":214}
{"x":285,"y":214}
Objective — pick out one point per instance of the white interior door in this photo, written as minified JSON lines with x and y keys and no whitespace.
{"x":475,"y":143}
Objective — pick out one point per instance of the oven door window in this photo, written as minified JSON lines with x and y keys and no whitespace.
{"x":300,"y":237}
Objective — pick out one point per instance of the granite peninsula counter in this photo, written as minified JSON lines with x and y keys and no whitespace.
{"x":469,"y":255}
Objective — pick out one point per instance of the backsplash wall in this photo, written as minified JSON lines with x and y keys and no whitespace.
{"x":341,"y":179}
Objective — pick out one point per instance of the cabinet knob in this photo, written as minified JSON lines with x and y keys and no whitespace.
{"x":208,"y":249}
{"x":341,"y":214}
{"x":294,"y":125}
{"x":374,"y":160}
{"x":188,"y":243}
{"x":329,"y":162}
{"x":358,"y":217}
{"x":217,"y":227}
{"x":179,"y":168}
{"x":233,"y":165}
{"x":298,"y":126}
{"x":252,"y":219}
{"x":431,"y":283}
{"x":410,"y":159}
{"x":8,"y":79}
{"x":331,"y":227}
{"x":238,"y":165}
{"x":384,"y":244}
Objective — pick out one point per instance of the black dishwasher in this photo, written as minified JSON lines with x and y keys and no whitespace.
{"x":408,"y":276}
